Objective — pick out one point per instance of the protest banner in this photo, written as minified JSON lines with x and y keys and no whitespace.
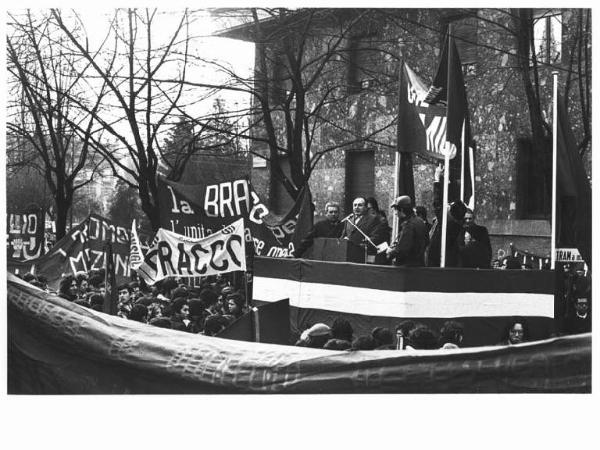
{"x":58,"y":347}
{"x":25,"y":234}
{"x":201,"y":209}
{"x":175,"y":255}
{"x":82,"y":249}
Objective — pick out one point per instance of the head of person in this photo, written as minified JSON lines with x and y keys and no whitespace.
{"x":332,"y":211}
{"x":405,"y":327}
{"x":235,"y":304}
{"x":124,"y":293}
{"x":423,"y":338}
{"x":364,"y":343}
{"x":403,"y":206}
{"x":341,"y":329}
{"x":359,"y":206}
{"x":421,"y":212}
{"x":316,"y":336}
{"x":208,"y":296}
{"x":457,"y":211}
{"x":180,"y":308}
{"x":582,"y":305}
{"x":167,"y":286}
{"x":469,"y":218}
{"x":180,"y":291}
{"x":383,"y":336}
{"x":94,"y":282}
{"x":516,"y":331}
{"x":372,"y":205}
{"x":213,"y":325}
{"x":68,"y":287}
{"x":135,"y":287}
{"x":139,"y":313}
{"x":451,"y":332}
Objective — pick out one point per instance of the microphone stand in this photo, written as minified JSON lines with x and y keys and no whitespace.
{"x":361,"y":232}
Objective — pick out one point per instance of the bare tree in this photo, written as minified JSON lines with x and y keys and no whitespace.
{"x":48,"y":132}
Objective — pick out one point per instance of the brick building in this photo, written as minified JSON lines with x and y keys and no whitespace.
{"x":512,"y":184}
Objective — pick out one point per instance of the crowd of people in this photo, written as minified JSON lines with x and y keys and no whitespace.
{"x":171,"y":303}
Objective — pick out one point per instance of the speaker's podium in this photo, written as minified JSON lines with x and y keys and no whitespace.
{"x":333,"y":249}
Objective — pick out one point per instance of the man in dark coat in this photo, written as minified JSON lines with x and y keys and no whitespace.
{"x":409,"y":248}
{"x":330,"y":227}
{"x":579,"y":320}
{"x":453,"y":229}
{"x":475,"y":249}
{"x":360,"y":218}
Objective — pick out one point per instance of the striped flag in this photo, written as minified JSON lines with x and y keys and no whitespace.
{"x":448,"y":89}
{"x":136,"y":256}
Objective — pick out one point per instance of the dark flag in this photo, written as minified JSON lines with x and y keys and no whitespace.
{"x":409,"y":126}
{"x":304,"y":222}
{"x":110,"y":281}
{"x":449,"y":88}
{"x":574,"y":195}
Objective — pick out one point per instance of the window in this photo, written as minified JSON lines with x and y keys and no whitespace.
{"x":362,"y":63}
{"x":534,"y":180}
{"x":360,"y":176}
{"x":547,"y":35}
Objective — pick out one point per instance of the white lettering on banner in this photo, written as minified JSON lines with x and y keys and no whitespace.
{"x":179,"y":206}
{"x":258,"y":209}
{"x":31,"y":224}
{"x":284,"y":230}
{"x":568,"y":255}
{"x":231,"y":199}
{"x":177,"y":255}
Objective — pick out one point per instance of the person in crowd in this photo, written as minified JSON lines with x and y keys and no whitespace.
{"x":330,"y":227}
{"x":94,"y":282}
{"x":579,"y":319}
{"x":180,"y":312}
{"x":43,"y":281}
{"x":403,"y":329}
{"x":422,"y":338}
{"x":96,"y":302}
{"x":454,"y":227}
{"x":382,"y":232}
{"x":408,"y":249}
{"x":516,"y":332}
{"x":135,"y":287}
{"x":474,"y":247}
{"x":236,"y":305}
{"x":138,"y":313}
{"x":421,"y":213}
{"x":315,"y":336}
{"x":383,"y":338}
{"x":337,"y":344}
{"x":82,"y":283}
{"x":451,"y":334}
{"x":364,"y":343}
{"x":209,"y":297}
{"x":68,"y":288}
{"x":214,"y":324}
{"x":361,"y":219}
{"x":341,"y":329}
{"x":198,"y":314}
{"x":125,"y":302}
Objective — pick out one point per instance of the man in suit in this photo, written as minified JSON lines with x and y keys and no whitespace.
{"x":580,"y":319}
{"x":474,"y":246}
{"x":330,"y":227}
{"x":360,"y":218}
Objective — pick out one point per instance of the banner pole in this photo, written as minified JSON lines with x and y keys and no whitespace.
{"x":445,"y":207}
{"x":554,"y":149}
{"x":396,"y":219}
{"x":462,"y":164}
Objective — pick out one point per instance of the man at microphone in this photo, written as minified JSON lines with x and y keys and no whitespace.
{"x":360,"y":226}
{"x":330,"y":227}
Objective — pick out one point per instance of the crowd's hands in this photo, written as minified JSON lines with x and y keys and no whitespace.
{"x":439,"y":172}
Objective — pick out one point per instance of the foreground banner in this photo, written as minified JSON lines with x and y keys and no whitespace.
{"x":175,"y":255}
{"x":58,"y":347}
{"x":201,"y":209}
{"x":370,"y":296}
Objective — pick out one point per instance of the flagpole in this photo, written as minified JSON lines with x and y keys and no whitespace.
{"x":462,"y":163}
{"x":554,"y":148}
{"x":396,"y":219}
{"x":445,"y":205}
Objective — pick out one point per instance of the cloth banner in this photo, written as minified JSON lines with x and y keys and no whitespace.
{"x":175,"y":255}
{"x":82,"y":249}
{"x":201,"y":209}
{"x":25,"y":234}
{"x":58,"y":347}
{"x":370,"y":296}
{"x":136,"y":255}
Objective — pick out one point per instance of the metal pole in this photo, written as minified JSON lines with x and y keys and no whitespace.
{"x":445,"y":206}
{"x":554,"y":149}
{"x":396,"y":220}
